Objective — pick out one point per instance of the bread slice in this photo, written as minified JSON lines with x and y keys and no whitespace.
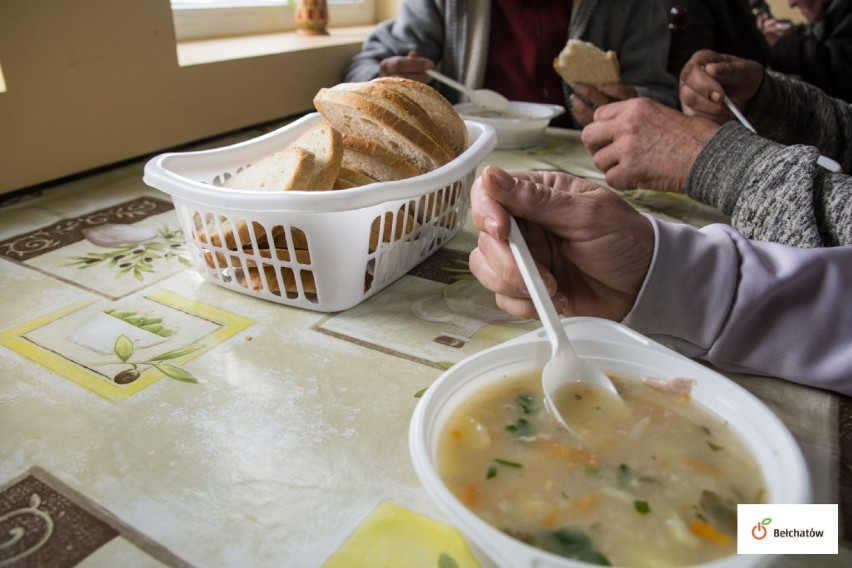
{"x":256,"y":278}
{"x":326,"y":144}
{"x":291,"y":168}
{"x":375,"y":160}
{"x":358,"y":114}
{"x":343,"y":183}
{"x":397,"y":101}
{"x":583,"y":62}
{"x":351,"y":177}
{"x":405,"y":225}
{"x":438,"y":108}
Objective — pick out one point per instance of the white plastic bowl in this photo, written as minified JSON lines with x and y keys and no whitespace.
{"x":618,"y":349}
{"x":522,"y":128}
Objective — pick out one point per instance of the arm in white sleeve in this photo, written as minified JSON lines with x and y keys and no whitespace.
{"x":750,"y":306}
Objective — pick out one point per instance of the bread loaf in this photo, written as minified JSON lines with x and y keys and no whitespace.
{"x":382,"y":130}
{"x":583,"y":62}
{"x":360,"y":114}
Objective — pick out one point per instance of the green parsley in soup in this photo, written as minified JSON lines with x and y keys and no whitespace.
{"x":655,"y":483}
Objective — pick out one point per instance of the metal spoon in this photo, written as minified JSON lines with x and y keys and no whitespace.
{"x":565,"y":369}
{"x":485,"y":98}
{"x":823,"y":161}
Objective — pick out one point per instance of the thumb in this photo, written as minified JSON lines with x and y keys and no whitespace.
{"x":527,"y":195}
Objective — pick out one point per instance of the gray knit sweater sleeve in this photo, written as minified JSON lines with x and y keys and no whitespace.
{"x":775,"y":192}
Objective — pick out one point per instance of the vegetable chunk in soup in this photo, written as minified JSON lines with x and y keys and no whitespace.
{"x":655,"y":484}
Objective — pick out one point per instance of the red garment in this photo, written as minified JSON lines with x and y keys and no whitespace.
{"x":526,"y":35}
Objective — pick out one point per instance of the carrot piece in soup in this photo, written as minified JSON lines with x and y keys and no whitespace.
{"x":585,"y":503}
{"x":699,"y":464}
{"x":471,"y":495}
{"x":551,"y":518}
{"x":708,"y":532}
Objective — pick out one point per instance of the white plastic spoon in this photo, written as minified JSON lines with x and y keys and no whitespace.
{"x":823,"y":161}
{"x":485,"y":98}
{"x":564,"y":369}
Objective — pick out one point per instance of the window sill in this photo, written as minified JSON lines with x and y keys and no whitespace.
{"x":199,"y":52}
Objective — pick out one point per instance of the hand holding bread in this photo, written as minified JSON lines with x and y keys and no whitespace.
{"x":594,"y":77}
{"x":583,"y":62}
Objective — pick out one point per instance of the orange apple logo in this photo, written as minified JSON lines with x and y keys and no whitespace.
{"x":759,"y":531}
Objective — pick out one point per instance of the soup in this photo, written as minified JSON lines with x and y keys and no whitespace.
{"x":485,"y":113}
{"x":654,"y":482}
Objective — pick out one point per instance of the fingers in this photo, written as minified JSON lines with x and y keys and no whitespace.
{"x":487,"y":214}
{"x":493,"y":264}
{"x":696,"y":81}
{"x":597,"y":135}
{"x":618,"y":91}
{"x":582,"y":110}
{"x":694,"y":103}
{"x":411,"y":67}
{"x":537,"y":196}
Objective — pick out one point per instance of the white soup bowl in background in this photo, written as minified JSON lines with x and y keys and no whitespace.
{"x":522,"y":125}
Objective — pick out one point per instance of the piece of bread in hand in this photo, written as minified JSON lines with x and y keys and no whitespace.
{"x":583,"y":62}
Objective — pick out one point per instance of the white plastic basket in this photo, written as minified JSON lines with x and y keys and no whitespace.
{"x":321,"y":250}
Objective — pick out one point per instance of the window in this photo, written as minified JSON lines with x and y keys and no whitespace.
{"x":195,"y":19}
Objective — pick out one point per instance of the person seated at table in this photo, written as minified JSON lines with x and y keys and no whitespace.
{"x":725,"y":26}
{"x":711,"y":294}
{"x":820,"y":50}
{"x":481,"y":44}
{"x":769,"y":183}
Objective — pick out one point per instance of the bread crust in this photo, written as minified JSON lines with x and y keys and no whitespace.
{"x":438,"y":108}
{"x":354,"y":113}
{"x":398,"y":101}
{"x":291,"y":168}
{"x":376,"y":160}
{"x":353,"y":177}
{"x":326,"y":144}
{"x":583,"y":62}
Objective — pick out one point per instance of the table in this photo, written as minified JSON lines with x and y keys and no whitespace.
{"x":281,"y":442}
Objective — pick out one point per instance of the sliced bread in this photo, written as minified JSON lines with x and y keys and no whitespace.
{"x":291,"y":168}
{"x":376,"y":160}
{"x":360,"y":115}
{"x":352,"y":177}
{"x":326,"y":144}
{"x":438,"y":108}
{"x":397,"y":101}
